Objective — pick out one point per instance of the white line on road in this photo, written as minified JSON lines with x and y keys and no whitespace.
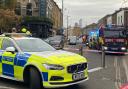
{"x":3,"y":87}
{"x":125,"y":67}
{"x":95,"y":69}
{"x":118,"y":75}
{"x":116,"y":84}
{"x":119,"y":72}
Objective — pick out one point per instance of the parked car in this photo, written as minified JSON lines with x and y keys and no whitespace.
{"x":79,"y":41}
{"x":72,"y":40}
{"x":56,"y":41}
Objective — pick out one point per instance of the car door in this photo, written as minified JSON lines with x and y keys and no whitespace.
{"x":8,"y":58}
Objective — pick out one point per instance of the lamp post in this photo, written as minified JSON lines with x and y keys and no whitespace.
{"x":62,"y":13}
{"x":67,"y":26}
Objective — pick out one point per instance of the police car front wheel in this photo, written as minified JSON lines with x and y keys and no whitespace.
{"x":35,"y":79}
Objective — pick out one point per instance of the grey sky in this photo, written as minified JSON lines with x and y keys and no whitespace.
{"x":89,"y":10}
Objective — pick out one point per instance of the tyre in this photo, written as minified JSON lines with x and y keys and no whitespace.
{"x":35,"y":79}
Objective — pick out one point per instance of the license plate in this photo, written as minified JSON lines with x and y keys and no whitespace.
{"x":114,"y":48}
{"x":78,"y":76}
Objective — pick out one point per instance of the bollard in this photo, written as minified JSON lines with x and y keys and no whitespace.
{"x":103,"y":57}
{"x":81,"y":50}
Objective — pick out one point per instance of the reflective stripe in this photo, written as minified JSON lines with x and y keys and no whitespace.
{"x":8,"y":70}
{"x":21,"y":59}
{"x":0,"y":58}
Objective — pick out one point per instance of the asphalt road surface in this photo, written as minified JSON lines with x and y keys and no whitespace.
{"x":112,"y":77}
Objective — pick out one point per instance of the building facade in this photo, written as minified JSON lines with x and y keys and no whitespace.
{"x":74,"y":31}
{"x":43,"y":8}
{"x":122,"y":17}
{"x":56,"y":18}
{"x":109,"y":19}
{"x":32,"y":5}
{"x":89,"y":28}
{"x":118,"y":18}
{"x":103,"y":21}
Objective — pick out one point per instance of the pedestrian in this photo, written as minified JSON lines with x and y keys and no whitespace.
{"x":84,"y":39}
{"x":14,"y":30}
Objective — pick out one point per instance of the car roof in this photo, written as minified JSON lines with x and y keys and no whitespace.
{"x":18,"y":38}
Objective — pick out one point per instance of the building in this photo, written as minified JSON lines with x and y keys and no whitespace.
{"x":114,"y":18}
{"x":118,"y":18}
{"x":74,"y":31}
{"x":31,"y":5}
{"x":56,"y":18}
{"x":122,"y":17}
{"x":43,"y":8}
{"x":109,"y":20}
{"x":103,"y":21}
{"x":89,"y":28}
{"x":48,"y":10}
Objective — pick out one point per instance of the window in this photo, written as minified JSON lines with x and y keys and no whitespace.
{"x":7,"y":43}
{"x":121,"y":21}
{"x":27,"y":45}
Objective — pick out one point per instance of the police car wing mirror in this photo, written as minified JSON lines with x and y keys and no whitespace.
{"x":10,"y":49}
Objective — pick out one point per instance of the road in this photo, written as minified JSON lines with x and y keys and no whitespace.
{"x":112,"y":77}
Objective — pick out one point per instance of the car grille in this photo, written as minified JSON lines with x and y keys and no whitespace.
{"x":77,"y":68}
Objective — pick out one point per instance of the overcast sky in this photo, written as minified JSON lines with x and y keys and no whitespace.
{"x":89,"y":11}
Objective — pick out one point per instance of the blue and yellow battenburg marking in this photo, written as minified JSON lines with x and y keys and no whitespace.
{"x":12,"y":65}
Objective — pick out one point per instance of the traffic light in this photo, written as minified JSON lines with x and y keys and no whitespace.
{"x":29,"y":9}
{"x":18,"y":9}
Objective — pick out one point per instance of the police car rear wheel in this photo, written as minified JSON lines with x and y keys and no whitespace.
{"x":35,"y":79}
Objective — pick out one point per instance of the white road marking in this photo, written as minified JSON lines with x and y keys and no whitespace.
{"x":3,"y":87}
{"x":125,"y":67}
{"x":95,"y":69}
{"x":119,"y":72}
{"x":118,"y":76}
{"x":118,"y":82}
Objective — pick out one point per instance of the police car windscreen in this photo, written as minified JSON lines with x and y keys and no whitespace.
{"x":117,"y":33}
{"x":33,"y":45}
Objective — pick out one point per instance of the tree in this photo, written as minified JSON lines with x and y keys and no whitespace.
{"x":8,"y":4}
{"x":8,"y":19}
{"x":1,"y":4}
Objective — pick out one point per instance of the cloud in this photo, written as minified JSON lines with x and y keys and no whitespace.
{"x":89,"y":10}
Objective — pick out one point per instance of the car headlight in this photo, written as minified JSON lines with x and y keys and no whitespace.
{"x":53,"y":67}
{"x":123,"y":48}
{"x":105,"y":48}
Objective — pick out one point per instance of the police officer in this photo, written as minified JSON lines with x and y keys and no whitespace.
{"x":24,"y":30}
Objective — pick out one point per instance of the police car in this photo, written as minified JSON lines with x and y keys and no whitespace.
{"x":36,"y":63}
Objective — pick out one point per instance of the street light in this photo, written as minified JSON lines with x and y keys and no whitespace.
{"x":67,"y":25}
{"x":62,"y":13}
